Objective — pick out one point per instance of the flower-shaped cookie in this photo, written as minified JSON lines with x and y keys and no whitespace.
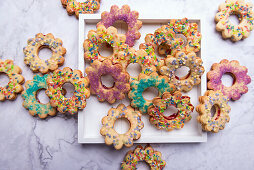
{"x":105,"y":35}
{"x":176,"y":120}
{"x":15,"y":80}
{"x":246,"y":16}
{"x":54,"y":91}
{"x":181,"y":59}
{"x":126,"y":15}
{"x":143,"y":82}
{"x":239,"y":73}
{"x":118,"y":140}
{"x":189,"y":31}
{"x":121,"y":80}
{"x":31,"y":102}
{"x":87,"y":7}
{"x":33,"y":47}
{"x":220,"y":102}
{"x":147,"y":154}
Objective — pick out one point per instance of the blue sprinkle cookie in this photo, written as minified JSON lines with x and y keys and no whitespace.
{"x":145,"y":81}
{"x":30,"y":100}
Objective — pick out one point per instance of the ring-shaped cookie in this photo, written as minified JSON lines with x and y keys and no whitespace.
{"x":126,"y":15}
{"x":189,"y":60}
{"x":161,"y":36}
{"x":189,"y":31}
{"x":121,"y":80}
{"x":30,"y":100}
{"x":105,"y":35}
{"x":55,"y":88}
{"x":238,"y":72}
{"x":118,"y":140}
{"x":221,"y":117}
{"x":147,"y":154}
{"x":144,"y":81}
{"x":176,"y":120}
{"x":246,"y":16}
{"x":44,"y":41}
{"x":14,"y":86}
{"x":87,"y":7}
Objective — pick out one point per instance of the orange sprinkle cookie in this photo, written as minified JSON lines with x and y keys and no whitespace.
{"x":105,"y":35}
{"x":54,"y":91}
{"x":15,"y":80}
{"x":220,"y":118}
{"x":245,"y":15}
{"x":87,"y":7}
{"x":161,"y":36}
{"x":118,"y":140}
{"x":181,"y":59}
{"x":44,"y":41}
{"x":189,"y":31}
{"x":147,"y":154}
{"x":176,"y":120}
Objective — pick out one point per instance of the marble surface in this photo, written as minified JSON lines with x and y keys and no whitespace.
{"x":27,"y":142}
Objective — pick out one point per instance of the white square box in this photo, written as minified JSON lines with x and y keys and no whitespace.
{"x":89,"y":119}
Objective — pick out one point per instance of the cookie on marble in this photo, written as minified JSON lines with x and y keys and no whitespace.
{"x":220,"y":118}
{"x":244,"y":11}
{"x":118,"y":140}
{"x":125,"y":14}
{"x":152,"y":157}
{"x":55,"y":90}
{"x":16,"y":80}
{"x":31,"y":102}
{"x":76,"y":7}
{"x":44,"y":41}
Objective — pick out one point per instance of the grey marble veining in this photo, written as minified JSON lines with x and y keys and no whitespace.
{"x":27,"y":142}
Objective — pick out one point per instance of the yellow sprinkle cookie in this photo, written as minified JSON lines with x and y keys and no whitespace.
{"x":44,"y":41}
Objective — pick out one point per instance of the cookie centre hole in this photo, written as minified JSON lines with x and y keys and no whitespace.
{"x":45,"y":53}
{"x":42,"y":97}
{"x":235,"y":19}
{"x":105,"y":49}
{"x":142,"y":165}
{"x":182,"y":72}
{"x":150,"y":93}
{"x":162,"y":51}
{"x":121,"y":26}
{"x":134,"y":69}
{"x":107,"y":81}
{"x":122,"y":125}
{"x":215,"y":111}
{"x":171,"y":111}
{"x":68,"y":89}
{"x":4,"y":79}
{"x":182,"y":37}
{"x":227,"y":79}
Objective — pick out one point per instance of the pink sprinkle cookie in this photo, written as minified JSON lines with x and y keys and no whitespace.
{"x":16,"y":80}
{"x":147,"y":154}
{"x":121,"y":80}
{"x":126,"y":15}
{"x":87,"y":7}
{"x":44,"y":41}
{"x":105,"y":35}
{"x":239,"y":73}
{"x":55,"y":88}
{"x":118,"y":140}
{"x":245,"y":15}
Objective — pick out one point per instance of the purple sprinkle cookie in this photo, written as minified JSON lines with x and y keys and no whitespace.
{"x":121,"y":80}
{"x":124,"y":14}
{"x":239,"y":73}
